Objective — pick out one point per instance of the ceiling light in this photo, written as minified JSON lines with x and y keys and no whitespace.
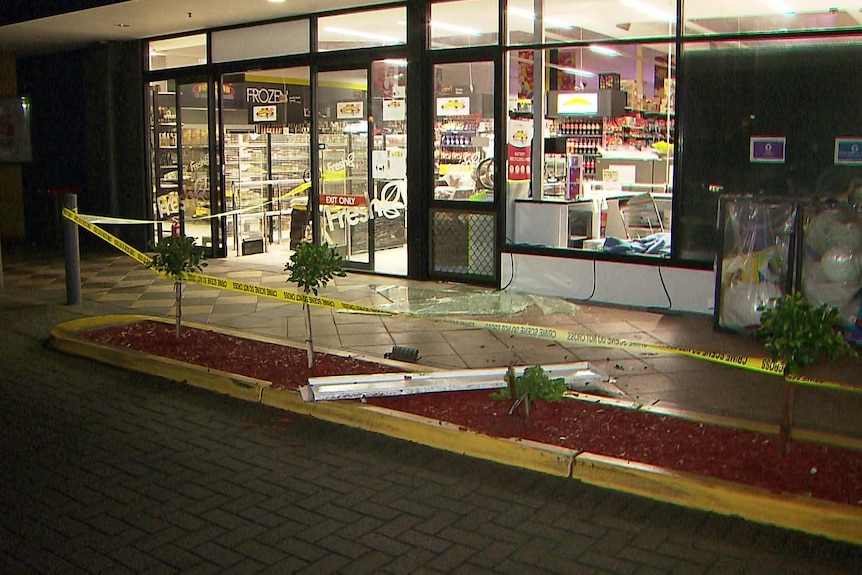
{"x":121,"y":25}
{"x":649,"y":10}
{"x":549,"y":20}
{"x":780,"y":7}
{"x":366,"y":35}
{"x":604,"y":51}
{"x":276,"y":1}
{"x":455,"y":28}
{"x":522,"y":13}
{"x":575,"y":71}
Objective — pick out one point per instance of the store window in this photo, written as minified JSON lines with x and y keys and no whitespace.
{"x":279,"y":39}
{"x":464,"y":131}
{"x":266,"y":123}
{"x":177,"y":52}
{"x":604,"y":180}
{"x":794,"y":95}
{"x":464,"y":23}
{"x":384,"y":27}
{"x":703,"y":17}
{"x":560,"y":21}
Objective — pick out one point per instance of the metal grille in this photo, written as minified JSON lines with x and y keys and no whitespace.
{"x":463,"y":243}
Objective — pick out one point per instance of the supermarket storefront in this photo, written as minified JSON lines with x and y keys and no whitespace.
{"x":386,"y":132}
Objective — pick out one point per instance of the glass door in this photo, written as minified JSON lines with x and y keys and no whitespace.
{"x":180,"y":160}
{"x":388,"y":209}
{"x":194,"y":162}
{"x":343,"y":143}
{"x":164,"y":160}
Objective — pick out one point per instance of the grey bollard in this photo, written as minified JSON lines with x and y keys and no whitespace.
{"x":71,"y":253}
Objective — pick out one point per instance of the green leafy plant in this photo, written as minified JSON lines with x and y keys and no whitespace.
{"x":174,"y":257}
{"x":799,"y":334}
{"x":313,"y":266}
{"x":533,"y":385}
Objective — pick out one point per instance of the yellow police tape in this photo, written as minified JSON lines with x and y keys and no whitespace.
{"x":756,"y":364}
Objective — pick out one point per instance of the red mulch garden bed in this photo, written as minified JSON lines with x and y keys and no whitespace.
{"x":740,"y":456}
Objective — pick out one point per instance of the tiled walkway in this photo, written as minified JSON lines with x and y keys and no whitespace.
{"x":114,"y":283}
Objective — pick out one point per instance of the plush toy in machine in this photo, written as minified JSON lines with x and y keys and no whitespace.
{"x":832,"y":262}
{"x":742,"y":303}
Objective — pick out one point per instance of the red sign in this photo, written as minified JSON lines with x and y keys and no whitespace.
{"x":519,"y":162}
{"x":346,"y":201}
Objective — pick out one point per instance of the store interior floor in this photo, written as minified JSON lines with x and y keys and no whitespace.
{"x":390,"y":262}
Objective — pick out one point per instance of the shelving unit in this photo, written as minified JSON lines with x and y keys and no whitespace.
{"x":194,"y":156}
{"x":246,"y":168}
{"x":583,"y":137}
{"x":639,"y":129}
{"x":459,"y":145}
{"x":167,"y":170}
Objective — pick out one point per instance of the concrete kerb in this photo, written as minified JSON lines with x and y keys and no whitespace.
{"x":835,"y":521}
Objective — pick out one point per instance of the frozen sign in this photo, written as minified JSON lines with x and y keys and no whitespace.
{"x":343,"y":210}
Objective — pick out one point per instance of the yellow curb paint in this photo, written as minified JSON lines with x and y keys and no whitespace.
{"x":841,"y":522}
{"x":234,"y":385}
{"x":530,"y":455}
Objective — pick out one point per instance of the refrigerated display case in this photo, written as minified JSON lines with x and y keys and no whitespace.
{"x":266,"y":178}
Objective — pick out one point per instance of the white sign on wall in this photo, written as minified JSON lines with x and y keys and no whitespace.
{"x":350,"y":110}
{"x":394,"y":111}
{"x":264,"y":113}
{"x":453,"y":106}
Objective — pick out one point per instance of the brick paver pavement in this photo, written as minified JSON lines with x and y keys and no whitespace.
{"x":107,"y":471}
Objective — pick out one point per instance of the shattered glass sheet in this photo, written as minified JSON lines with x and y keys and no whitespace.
{"x":465,"y":300}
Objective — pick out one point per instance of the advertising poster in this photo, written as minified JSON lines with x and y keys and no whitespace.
{"x":566,"y":59}
{"x":525,"y":75}
{"x":264,"y":113}
{"x":394,"y":111}
{"x":578,"y":103}
{"x":520,"y":146}
{"x":455,"y":106}
{"x":767,"y":149}
{"x":350,"y":110}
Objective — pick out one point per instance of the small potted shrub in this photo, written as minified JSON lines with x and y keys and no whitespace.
{"x":311,"y":267}
{"x":174,"y":257}
{"x":799,"y":334}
